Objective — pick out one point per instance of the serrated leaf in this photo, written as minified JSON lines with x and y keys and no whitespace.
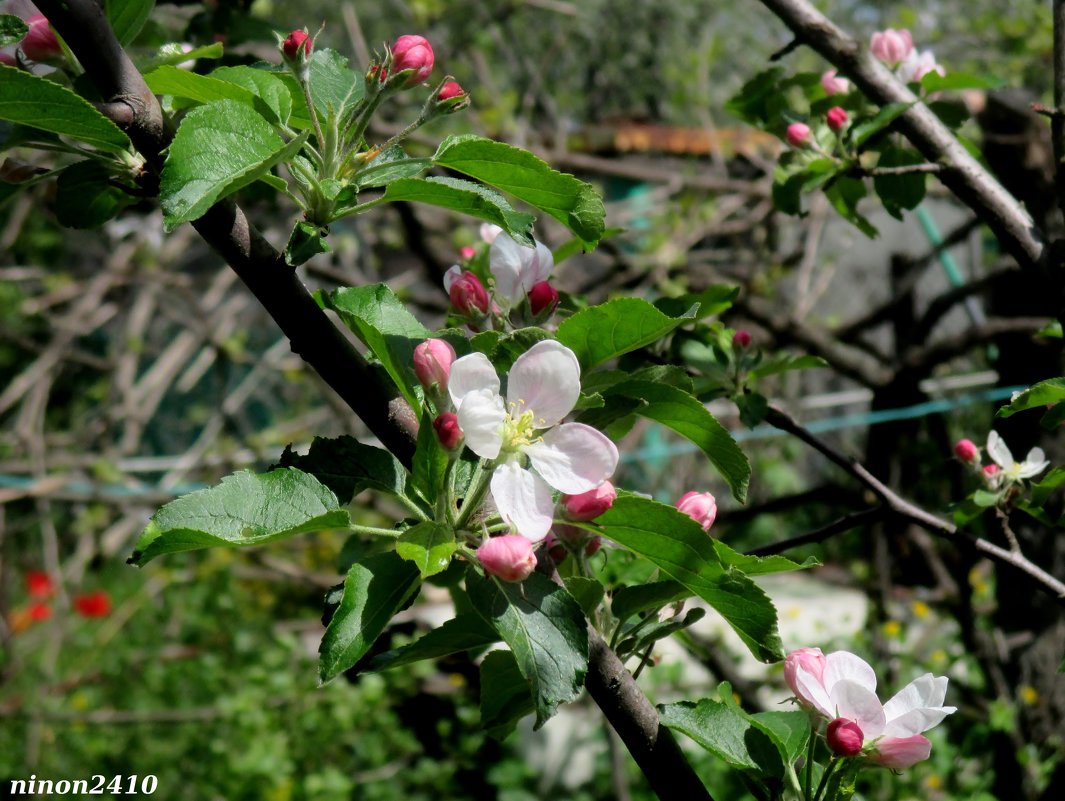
{"x":39,"y":103}
{"x":761,"y":100}
{"x":374,"y":591}
{"x":934,"y":82}
{"x":389,"y":166}
{"x":684,"y":414}
{"x":790,"y":730}
{"x":647,"y":635}
{"x":462,"y":633}
{"x":545,"y":630}
{"x":85,"y":198}
{"x":619,"y":326}
{"x":245,"y":509}
{"x":861,"y":132}
{"x":505,"y":695}
{"x":726,"y":733}
{"x":127,"y":17}
{"x":382,"y":322}
{"x":218,"y":149}
{"x":333,"y":85}
{"x":347,"y":467}
{"x":429,"y":546}
{"x":1051,"y":391}
{"x":270,"y":89}
{"x":759,"y":565}
{"x":680,"y":548}
{"x":12,"y":29}
{"x":174,"y":53}
{"x":465,"y":197}
{"x":587,"y":592}
{"x":629,"y":601}
{"x":306,"y":241}
{"x":430,"y":462}
{"x":168,"y":80}
{"x":844,"y":195}
{"x":517,"y":172}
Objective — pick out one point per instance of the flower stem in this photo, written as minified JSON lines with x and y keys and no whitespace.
{"x":833,"y":763}
{"x":475,"y":496}
{"x":374,"y":531}
{"x":808,"y":777}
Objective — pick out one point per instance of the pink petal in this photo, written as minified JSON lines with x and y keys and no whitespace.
{"x":840,"y":665}
{"x":855,"y":702}
{"x":574,"y":458}
{"x":523,"y":500}
{"x":901,"y":752}
{"x":545,"y":380}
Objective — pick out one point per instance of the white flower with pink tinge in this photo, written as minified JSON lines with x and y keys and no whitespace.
{"x":1034,"y":463}
{"x":542,"y":388}
{"x":842,"y":685}
{"x":517,"y":269}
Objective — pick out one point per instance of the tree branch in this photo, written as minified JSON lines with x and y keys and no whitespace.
{"x":962,"y":174}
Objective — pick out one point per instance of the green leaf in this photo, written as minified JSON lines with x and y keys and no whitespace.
{"x":587,"y":592}
{"x":127,"y":17}
{"x":177,"y":82}
{"x":85,"y":198}
{"x":429,"y":546}
{"x":1054,"y":417}
{"x":373,"y":592}
{"x":174,"y":53}
{"x":465,"y":197}
{"x":679,"y":411}
{"x":780,"y":364}
{"x":753,"y":407}
{"x":572,"y":202}
{"x":1050,"y":482}
{"x":899,"y":192}
{"x":1051,"y":391}
{"x":618,"y":326}
{"x":505,"y":695}
{"x":545,"y":630}
{"x":790,"y":731}
{"x":389,"y":166}
{"x":648,"y":635}
{"x":861,"y":132}
{"x":934,"y":82}
{"x":758,"y":565}
{"x":629,"y":601}
{"x":270,"y":89}
{"x":39,"y":103}
{"x":727,"y":733}
{"x":305,"y":242}
{"x":245,"y":509}
{"x":333,"y":85}
{"x":382,"y":322}
{"x":12,"y":29}
{"x":462,"y":633}
{"x":680,"y":548}
{"x":430,"y":462}
{"x":347,"y":467}
{"x":219,"y":148}
{"x":761,"y":100}
{"x":712,"y":301}
{"x":844,"y":195}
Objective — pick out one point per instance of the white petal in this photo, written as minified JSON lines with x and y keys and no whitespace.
{"x":545,"y":380}
{"x":508,"y":262}
{"x":574,"y":458}
{"x":452,"y":274}
{"x":856,"y":702}
{"x":1034,"y":464}
{"x":481,"y":417}
{"x":542,"y":266}
{"x":469,"y":374}
{"x":926,"y":690}
{"x":813,"y":690}
{"x":843,"y":665}
{"x":997,"y":450}
{"x":523,"y":500}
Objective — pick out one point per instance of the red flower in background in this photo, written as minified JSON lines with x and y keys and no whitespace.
{"x":39,"y":584}
{"x":39,"y":611}
{"x":93,"y":604}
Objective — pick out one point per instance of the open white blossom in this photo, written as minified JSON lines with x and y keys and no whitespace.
{"x":517,"y":269}
{"x":1034,"y":464}
{"x":542,"y":388}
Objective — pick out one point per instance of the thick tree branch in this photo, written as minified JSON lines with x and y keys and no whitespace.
{"x":961,"y":173}
{"x":84,"y":27}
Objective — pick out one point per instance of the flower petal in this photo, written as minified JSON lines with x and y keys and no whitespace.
{"x":545,"y":380}
{"x":452,"y":274}
{"x":901,"y":752}
{"x":481,"y":417}
{"x":574,"y":458}
{"x":809,"y":690}
{"x":840,"y":665}
{"x":508,"y":261}
{"x":469,"y":374}
{"x":917,"y":707}
{"x":855,"y":702}
{"x":997,"y":450}
{"x":523,"y":500}
{"x":1034,"y":464}
{"x":540,"y":269}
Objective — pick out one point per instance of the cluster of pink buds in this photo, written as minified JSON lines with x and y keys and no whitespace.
{"x":432,"y":365}
{"x":895,"y":48}
{"x":833,"y":84}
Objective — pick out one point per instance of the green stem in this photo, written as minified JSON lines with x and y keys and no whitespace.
{"x":479,"y":485}
{"x":305,"y":85}
{"x":793,"y":782}
{"x":445,"y":504}
{"x":416,"y":509}
{"x":374,"y":531}
{"x":833,"y":763}
{"x":643,"y":661}
{"x":811,"y":752}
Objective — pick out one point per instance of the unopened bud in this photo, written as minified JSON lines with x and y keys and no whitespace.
{"x":40,"y":44}
{"x":509,"y":557}
{"x":413,"y":53}
{"x":967,"y":451}
{"x":834,"y":85}
{"x":555,"y":549}
{"x":741,"y":339}
{"x":468,"y":252}
{"x":543,"y":298}
{"x":700,"y":507}
{"x":467,"y":293}
{"x":891,"y":46}
{"x":589,"y":505}
{"x":844,"y":737}
{"x":432,"y":363}
{"x":797,"y":134}
{"x":812,"y":661}
{"x":297,"y":46}
{"x":452,"y":97}
{"x":837,"y":118}
{"x":991,"y":470}
{"x":377,"y":73}
{"x":447,"y":430}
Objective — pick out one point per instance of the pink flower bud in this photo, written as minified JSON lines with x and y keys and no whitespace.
{"x":467,"y":252}
{"x":509,"y":557}
{"x":891,"y":46}
{"x":700,"y":507}
{"x":741,"y":339}
{"x":901,"y":752}
{"x":812,"y":661}
{"x":412,"y":53}
{"x":467,"y":293}
{"x":844,"y":737}
{"x":297,"y":45}
{"x":990,"y":469}
{"x":432,"y":363}
{"x":447,"y":430}
{"x":797,"y":134}
{"x":40,"y":43}
{"x":450,"y":90}
{"x":967,"y":451}
{"x":543,"y":298}
{"x":10,"y":60}
{"x":555,"y":549}
{"x":837,"y":118}
{"x":589,"y":505}
{"x":834,"y":85}
{"x":594,"y":544}
{"x":377,"y":73}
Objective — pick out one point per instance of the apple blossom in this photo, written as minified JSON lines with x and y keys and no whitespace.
{"x":589,"y":505}
{"x":891,"y":46}
{"x":810,"y":660}
{"x":467,"y":252}
{"x":542,"y":388}
{"x":297,"y":45}
{"x":40,"y":44}
{"x":543,"y":298}
{"x":844,"y":737}
{"x":509,"y":557}
{"x":447,"y":430}
{"x":432,"y":363}
{"x":413,"y":53}
{"x":834,"y":85}
{"x":847,"y":689}
{"x":837,"y":118}
{"x":489,"y":232}
{"x":467,"y":293}
{"x":966,"y":450}
{"x":741,"y":339}
{"x":917,"y":65}
{"x":1034,"y":463}
{"x":700,"y":507}
{"x":517,"y":269}
{"x":797,"y":134}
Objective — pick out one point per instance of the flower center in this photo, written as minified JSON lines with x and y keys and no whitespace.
{"x":519,"y":429}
